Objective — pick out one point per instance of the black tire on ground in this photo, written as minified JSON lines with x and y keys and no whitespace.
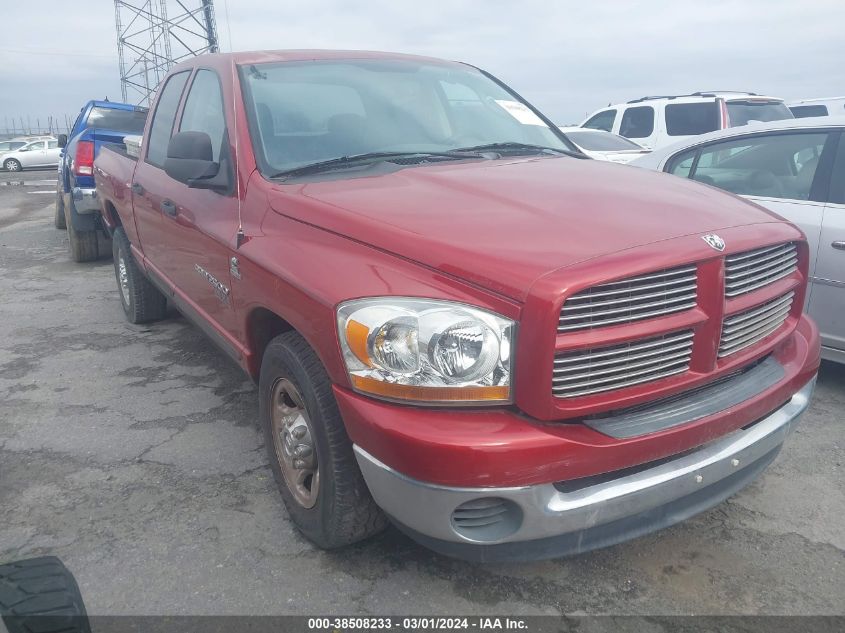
{"x":83,"y":244}
{"x":142,"y":301}
{"x":59,"y":218}
{"x":40,"y":594}
{"x":344,"y":511}
{"x":12,"y":165}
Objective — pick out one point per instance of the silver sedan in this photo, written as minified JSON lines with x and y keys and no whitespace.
{"x":795,"y":168}
{"x":40,"y":153}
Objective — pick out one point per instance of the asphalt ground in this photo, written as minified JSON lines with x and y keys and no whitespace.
{"x":132,"y":453}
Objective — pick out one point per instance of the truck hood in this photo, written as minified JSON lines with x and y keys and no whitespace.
{"x":502,"y":224}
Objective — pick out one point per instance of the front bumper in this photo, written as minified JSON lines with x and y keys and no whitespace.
{"x":85,"y":200}
{"x":549,"y":520}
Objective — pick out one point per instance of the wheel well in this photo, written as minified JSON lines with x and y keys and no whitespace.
{"x":113,"y":216}
{"x":262,"y":327}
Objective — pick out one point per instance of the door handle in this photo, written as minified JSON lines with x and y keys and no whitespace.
{"x":169,"y":208}
{"x":839,"y":245}
{"x":137,"y":189}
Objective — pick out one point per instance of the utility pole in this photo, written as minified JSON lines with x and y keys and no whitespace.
{"x":152,"y":35}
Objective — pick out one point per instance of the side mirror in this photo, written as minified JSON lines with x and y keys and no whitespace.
{"x":190,"y":161}
{"x":62,"y":138}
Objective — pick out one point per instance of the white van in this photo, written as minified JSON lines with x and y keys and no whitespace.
{"x":832,"y":106}
{"x":661,"y":120}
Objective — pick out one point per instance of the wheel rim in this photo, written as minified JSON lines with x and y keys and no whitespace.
{"x":12,"y":165}
{"x":293,"y":443}
{"x":123,"y":278}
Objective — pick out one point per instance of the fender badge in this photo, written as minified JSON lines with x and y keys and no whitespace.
{"x":220,"y":289}
{"x":714,"y":241}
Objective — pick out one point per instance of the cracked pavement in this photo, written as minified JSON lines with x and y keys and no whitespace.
{"x":132,"y":453}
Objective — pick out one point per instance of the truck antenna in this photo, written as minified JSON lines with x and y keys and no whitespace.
{"x":239,"y":239}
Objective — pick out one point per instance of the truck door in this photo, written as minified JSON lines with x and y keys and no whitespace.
{"x":199,"y":226}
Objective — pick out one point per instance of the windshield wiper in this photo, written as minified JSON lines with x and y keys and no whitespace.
{"x":370,"y":157}
{"x":513,"y":147}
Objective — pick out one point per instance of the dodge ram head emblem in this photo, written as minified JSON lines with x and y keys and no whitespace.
{"x":714,"y":241}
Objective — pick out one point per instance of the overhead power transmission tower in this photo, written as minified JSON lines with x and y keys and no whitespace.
{"x":152,"y":35}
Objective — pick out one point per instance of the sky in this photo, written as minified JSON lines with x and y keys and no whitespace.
{"x":567,"y":58}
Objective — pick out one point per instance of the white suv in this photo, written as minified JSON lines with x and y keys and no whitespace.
{"x":656,"y":121}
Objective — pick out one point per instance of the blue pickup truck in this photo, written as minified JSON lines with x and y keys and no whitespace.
{"x":77,"y":207}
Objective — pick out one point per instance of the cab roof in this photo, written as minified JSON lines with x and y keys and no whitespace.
{"x":299,"y":55}
{"x":114,"y":105}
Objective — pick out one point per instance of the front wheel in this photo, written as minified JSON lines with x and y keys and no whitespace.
{"x":310,"y":453}
{"x":12,"y":165}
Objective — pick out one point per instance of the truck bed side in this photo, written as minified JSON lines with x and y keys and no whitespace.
{"x":113,"y":173}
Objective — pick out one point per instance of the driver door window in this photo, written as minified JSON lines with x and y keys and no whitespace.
{"x":203,"y":111}
{"x":770,"y":166}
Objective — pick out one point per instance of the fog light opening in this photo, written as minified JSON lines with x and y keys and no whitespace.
{"x":487,"y":520}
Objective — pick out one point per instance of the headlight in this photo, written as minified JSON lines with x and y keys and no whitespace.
{"x":426,"y":350}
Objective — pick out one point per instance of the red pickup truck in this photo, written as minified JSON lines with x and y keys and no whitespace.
{"x":456,"y":320}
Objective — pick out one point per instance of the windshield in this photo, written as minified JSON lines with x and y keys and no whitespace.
{"x":131,"y":121}
{"x":741,"y":112}
{"x":598,"y":141}
{"x":311,"y":112}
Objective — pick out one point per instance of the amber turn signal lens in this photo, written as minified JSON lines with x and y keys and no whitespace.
{"x":431,"y":394}
{"x":356,"y":338}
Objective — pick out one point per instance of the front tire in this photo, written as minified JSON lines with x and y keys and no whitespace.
{"x":12,"y":165}
{"x":141,"y":300}
{"x":310,"y":453}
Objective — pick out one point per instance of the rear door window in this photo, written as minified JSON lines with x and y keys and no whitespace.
{"x":637,"y":122}
{"x":801,"y":112}
{"x":602,"y":121}
{"x":164,"y":117}
{"x":689,"y":119}
{"x":743,"y":111}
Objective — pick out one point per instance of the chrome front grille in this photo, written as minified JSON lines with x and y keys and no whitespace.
{"x":642,"y":297}
{"x":599,"y":369}
{"x":748,"y":271}
{"x":746,"y":328}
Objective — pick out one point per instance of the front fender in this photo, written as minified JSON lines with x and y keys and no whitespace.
{"x":301,"y":273}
